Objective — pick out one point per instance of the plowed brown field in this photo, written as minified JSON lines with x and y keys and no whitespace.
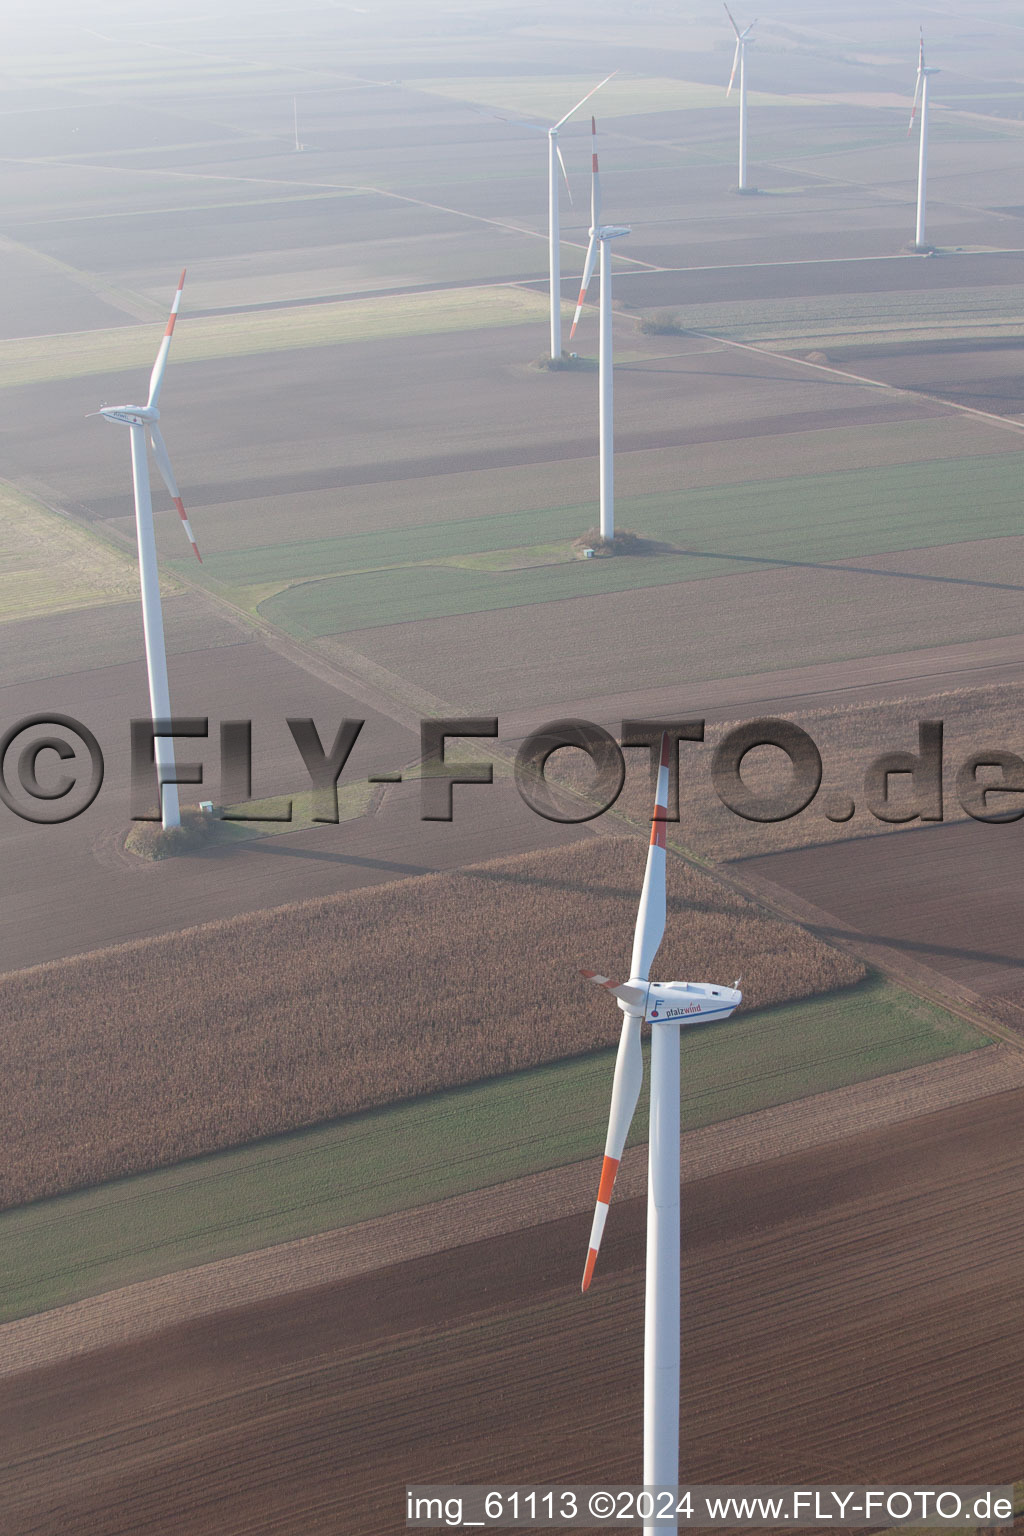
{"x":849,"y":1313}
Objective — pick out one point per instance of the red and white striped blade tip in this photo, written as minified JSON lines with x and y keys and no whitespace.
{"x":175,"y":303}
{"x":187,"y":526}
{"x":609,"y":1168}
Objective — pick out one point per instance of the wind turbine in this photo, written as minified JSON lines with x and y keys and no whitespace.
{"x":299,"y":146}
{"x":668,"y":1006}
{"x":554,"y":233}
{"x":556,"y":164}
{"x":740,"y":58}
{"x":138,"y":418}
{"x":602,"y":235}
{"x":921,"y":93}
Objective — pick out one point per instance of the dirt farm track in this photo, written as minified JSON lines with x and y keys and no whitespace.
{"x":850,"y":1313}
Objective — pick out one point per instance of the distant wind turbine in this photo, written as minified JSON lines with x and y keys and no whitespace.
{"x":299,"y":146}
{"x":602,"y":235}
{"x":739,"y":59}
{"x":921,"y":94}
{"x":556,"y":164}
{"x":667,"y":1007}
{"x":138,"y":418}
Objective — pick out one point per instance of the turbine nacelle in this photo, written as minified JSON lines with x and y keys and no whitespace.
{"x":130,"y":415}
{"x":683,"y":1002}
{"x":147,"y":416}
{"x":612,"y":231}
{"x":687,"y":1002}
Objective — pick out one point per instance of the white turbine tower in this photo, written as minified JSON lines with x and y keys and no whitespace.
{"x":921,"y":94}
{"x":138,"y":418}
{"x":667,"y":1007}
{"x":739,"y":58}
{"x":602,"y":235}
{"x":299,"y":146}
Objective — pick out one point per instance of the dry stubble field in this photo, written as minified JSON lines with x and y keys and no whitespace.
{"x":796,"y":1354}
{"x":144,"y":1054}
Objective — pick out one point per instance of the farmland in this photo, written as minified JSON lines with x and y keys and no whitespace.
{"x":47,"y":566}
{"x":393,"y":1159}
{"x":316,"y":1026}
{"x":201,"y":1078}
{"x":849,"y":737}
{"x":710,"y":533}
{"x":847,"y":1262}
{"x":41,"y":359}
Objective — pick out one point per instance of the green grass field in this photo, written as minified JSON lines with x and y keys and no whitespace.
{"x":394,"y":1159}
{"x":330,"y":586}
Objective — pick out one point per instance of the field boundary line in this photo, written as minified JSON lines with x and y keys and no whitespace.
{"x":1007,"y":422}
{"x":915,"y":975}
{"x":148,"y":1307}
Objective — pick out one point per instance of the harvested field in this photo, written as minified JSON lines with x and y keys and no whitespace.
{"x":37,"y":295}
{"x":273,"y":430}
{"x":399,"y":503}
{"x":34,"y":360}
{"x":136,"y":1310}
{"x":48,"y":565}
{"x":849,"y":737}
{"x":758,"y":519}
{"x":853,"y":295}
{"x":77,"y":889}
{"x":101,"y":1083}
{"x":109,"y":635}
{"x":983,"y":375}
{"x":944,"y":898}
{"x":870,"y":1054}
{"x":81,"y":890}
{"x":824,"y":1268}
{"x":942,"y":668}
{"x":732,"y":626}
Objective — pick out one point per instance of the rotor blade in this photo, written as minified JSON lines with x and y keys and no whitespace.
{"x":650,"y":919}
{"x":163,"y":463}
{"x":595,"y":178}
{"x":913,"y":110}
{"x":917,"y":87}
{"x":735,"y":61}
{"x":629,"y":1072}
{"x":732,"y":19}
{"x":156,"y":378}
{"x":632,"y":995}
{"x":565,"y":175}
{"x":588,"y":272}
{"x":587,"y":97}
{"x":497,"y":117}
